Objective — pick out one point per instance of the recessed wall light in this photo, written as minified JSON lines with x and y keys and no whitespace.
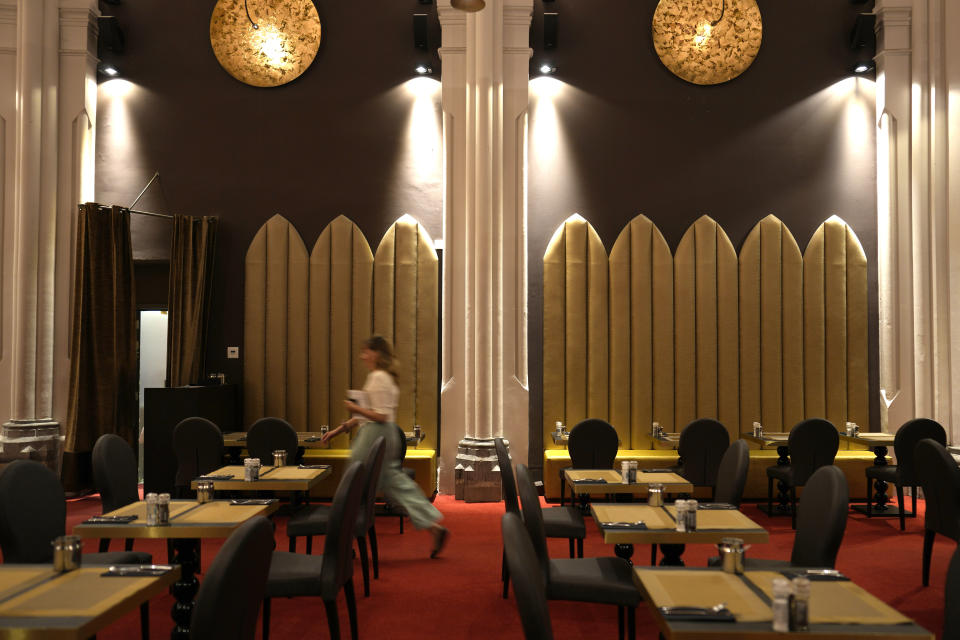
{"x":863,"y":67}
{"x":108,"y":69}
{"x":423,"y":70}
{"x":547,"y":69}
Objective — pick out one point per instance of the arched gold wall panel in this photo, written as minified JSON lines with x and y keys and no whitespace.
{"x":275,"y":325}
{"x":706,"y":338}
{"x":771,"y":328}
{"x":341,"y":284}
{"x":406,"y":312}
{"x":835,"y":325}
{"x":641,"y":333}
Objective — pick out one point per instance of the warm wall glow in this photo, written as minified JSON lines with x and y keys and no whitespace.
{"x":549,"y":159}
{"x":423,"y":128}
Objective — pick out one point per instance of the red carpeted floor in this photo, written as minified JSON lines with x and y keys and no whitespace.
{"x":458,"y":594}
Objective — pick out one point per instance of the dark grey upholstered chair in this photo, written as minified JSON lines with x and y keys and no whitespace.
{"x":904,"y":474}
{"x":951,"y":592}
{"x":229,"y":598}
{"x":385,"y":507}
{"x":198,"y":445}
{"x":732,"y":474}
{"x":295,"y":574}
{"x":558,"y":522}
{"x":813,"y":443}
{"x":269,"y":434}
{"x":702,"y":444}
{"x":940,"y":479}
{"x":315,"y":520}
{"x":115,"y":477}
{"x":601,"y":580}
{"x":592,"y":444}
{"x":528,"y":586}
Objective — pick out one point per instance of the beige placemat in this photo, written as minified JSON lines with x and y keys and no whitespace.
{"x":591,"y":474}
{"x":14,"y":578}
{"x":77,"y":593}
{"x":721,"y":519}
{"x":661,"y":478}
{"x":704,"y":589}
{"x":294,"y":473}
{"x":841,"y":602}
{"x":220,"y":512}
{"x":653,"y":517}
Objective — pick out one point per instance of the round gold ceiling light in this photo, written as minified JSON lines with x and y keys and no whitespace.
{"x":470,"y":6}
{"x":707,"y":41}
{"x":265,"y":43}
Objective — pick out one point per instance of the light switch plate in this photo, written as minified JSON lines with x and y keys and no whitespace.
{"x":233,"y":352}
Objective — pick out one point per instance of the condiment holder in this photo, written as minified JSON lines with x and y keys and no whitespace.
{"x":731,"y":555}
{"x":251,"y":469}
{"x":204,"y":491}
{"x":67,"y":551}
{"x":655,"y":495}
{"x":279,"y":457}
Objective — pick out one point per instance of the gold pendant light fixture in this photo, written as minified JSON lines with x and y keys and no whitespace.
{"x":265,"y":43}
{"x":470,"y":6}
{"x":707,"y":41}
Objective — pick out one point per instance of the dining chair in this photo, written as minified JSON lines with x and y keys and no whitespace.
{"x":812,"y":443}
{"x":115,"y":477}
{"x":940,"y":478}
{"x":385,"y":507}
{"x":592,"y":444}
{"x":294,"y":574}
{"x":904,"y":473}
{"x":315,"y":520}
{"x":601,"y":580}
{"x":732,"y":474}
{"x":228,"y":603}
{"x":558,"y":522}
{"x":266,"y":435}
{"x":198,"y":446}
{"x":701,"y":447}
{"x":528,"y":586}
{"x":951,"y":596}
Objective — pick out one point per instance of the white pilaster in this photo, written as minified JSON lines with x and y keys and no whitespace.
{"x":8,"y":121}
{"x":484,"y":372}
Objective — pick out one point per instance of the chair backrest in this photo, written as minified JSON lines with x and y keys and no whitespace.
{"x":951,"y":593}
{"x":268,"y":434}
{"x":912,"y":432}
{"x":114,"y":472}
{"x":813,"y":443}
{"x":940,"y":478}
{"x":403,"y":443}
{"x":338,"y":546}
{"x":593,"y":444}
{"x":528,"y":585}
{"x":732,"y":474}
{"x":233,"y":587}
{"x":533,"y":518}
{"x":507,"y":480}
{"x":821,"y":519}
{"x":198,"y":445}
{"x":702,"y":443}
{"x":33,"y":511}
{"x":373,"y":464}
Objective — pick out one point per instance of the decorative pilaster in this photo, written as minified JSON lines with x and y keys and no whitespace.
{"x":484,"y":370}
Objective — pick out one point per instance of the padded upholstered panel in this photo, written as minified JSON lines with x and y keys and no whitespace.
{"x":835,"y":325}
{"x":275,"y":325}
{"x":706,"y":340}
{"x":405,"y":311}
{"x":575,"y":361}
{"x":341,"y":285}
{"x":641,"y":333}
{"x":771,"y":328}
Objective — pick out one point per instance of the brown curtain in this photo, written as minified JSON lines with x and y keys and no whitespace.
{"x":103,"y":354}
{"x":191,"y":279}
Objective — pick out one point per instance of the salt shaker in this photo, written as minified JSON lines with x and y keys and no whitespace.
{"x":655,"y":429}
{"x":163,"y":508}
{"x":757,"y":430}
{"x":153,"y":509}
{"x":781,"y":605}
{"x":680,"y":508}
{"x":417,"y":432}
{"x":625,"y":472}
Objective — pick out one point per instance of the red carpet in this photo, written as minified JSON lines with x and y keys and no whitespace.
{"x":458,"y":595}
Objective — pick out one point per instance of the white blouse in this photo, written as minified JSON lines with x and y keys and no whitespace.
{"x":382,"y":394}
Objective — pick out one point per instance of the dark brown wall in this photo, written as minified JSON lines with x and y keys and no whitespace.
{"x":793,"y":136}
{"x":331,"y":142}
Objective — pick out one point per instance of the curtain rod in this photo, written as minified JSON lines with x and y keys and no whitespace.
{"x":156,"y":175}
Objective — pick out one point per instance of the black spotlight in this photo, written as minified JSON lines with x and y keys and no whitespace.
{"x":863,"y":35}
{"x":550,"y":30}
{"x":420,"y":38}
{"x":111,"y":36}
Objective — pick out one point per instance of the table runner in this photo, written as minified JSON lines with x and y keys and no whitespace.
{"x":14,"y":579}
{"x":82,"y":592}
{"x":674,"y":588}
{"x":721,"y":519}
{"x":609,"y":475}
{"x":653,"y":517}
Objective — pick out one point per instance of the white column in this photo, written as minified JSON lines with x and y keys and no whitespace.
{"x":8,"y":123}
{"x":484,"y":366}
{"x":918,"y":214}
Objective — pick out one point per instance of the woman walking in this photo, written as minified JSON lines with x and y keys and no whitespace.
{"x":379,"y":419}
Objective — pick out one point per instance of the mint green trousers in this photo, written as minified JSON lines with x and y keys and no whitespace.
{"x":394,"y":484}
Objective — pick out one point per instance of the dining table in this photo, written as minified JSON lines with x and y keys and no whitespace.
{"x":625,"y":525}
{"x":189,"y":522}
{"x":585,"y":483}
{"x":879,"y":442}
{"x":282,"y":478}
{"x":38,"y":603}
{"x":702,"y":603}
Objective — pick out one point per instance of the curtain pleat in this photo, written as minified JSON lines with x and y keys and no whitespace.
{"x":192,"y":253}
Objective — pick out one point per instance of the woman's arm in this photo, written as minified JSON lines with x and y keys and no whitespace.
{"x":344,"y":427}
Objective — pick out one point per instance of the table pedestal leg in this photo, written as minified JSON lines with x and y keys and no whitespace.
{"x":184,"y":589}
{"x":671,"y":555}
{"x":880,"y":497}
{"x":783,"y":489}
{"x":624,"y":551}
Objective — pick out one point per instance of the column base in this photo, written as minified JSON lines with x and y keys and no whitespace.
{"x":39,"y":440}
{"x":477,"y":473}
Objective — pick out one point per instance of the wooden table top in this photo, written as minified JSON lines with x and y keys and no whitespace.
{"x":287,"y":478}
{"x":37,"y":603}
{"x":770,"y":440}
{"x":712,"y":526}
{"x":188,"y":519}
{"x":870,"y":438}
{"x":837,"y":608}
{"x":603,"y":481}
{"x":306,"y":439}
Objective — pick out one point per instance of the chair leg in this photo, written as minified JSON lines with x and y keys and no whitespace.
{"x":309,"y":545}
{"x":572,"y":549}
{"x":364,"y":564}
{"x":374,"y":552}
{"x":128,"y":544}
{"x":620,"y":622}
{"x":266,"y":619}
{"x":293,"y":544}
{"x":869,"y":499}
{"x":145,"y":621}
{"x":903,"y":506}
{"x":653,"y":555}
{"x":104,"y":545}
{"x":793,"y":507}
{"x":769,"y":495}
{"x":351,"y":609}
{"x":631,"y":623}
{"x":913,"y":494}
{"x":505,"y":574}
{"x":563,"y":488}
{"x":333,"y":620}
{"x":579,"y":547}
{"x":401,"y":523}
{"x":928,"y":536}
